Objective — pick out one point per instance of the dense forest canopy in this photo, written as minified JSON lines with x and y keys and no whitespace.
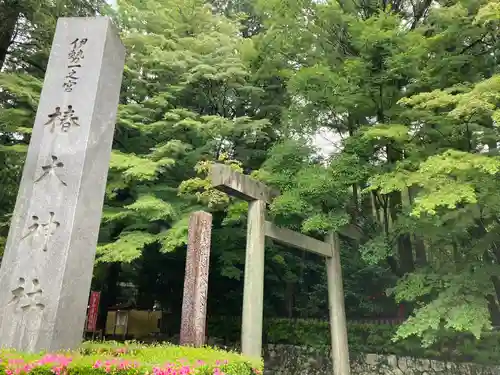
{"x":408,"y":93}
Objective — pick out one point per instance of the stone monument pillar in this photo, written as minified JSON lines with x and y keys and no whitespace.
{"x":48,"y":262}
{"x":194,"y":301}
{"x":253,"y":284}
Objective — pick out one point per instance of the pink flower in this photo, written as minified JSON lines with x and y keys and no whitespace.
{"x":58,"y":365}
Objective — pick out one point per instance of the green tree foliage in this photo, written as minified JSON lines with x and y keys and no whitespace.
{"x":406,"y":90}
{"x":185,"y":91}
{"x":410,"y":88}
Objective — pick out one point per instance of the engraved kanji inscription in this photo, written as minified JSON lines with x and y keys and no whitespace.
{"x":70,"y":79}
{"x":63,"y":120}
{"x":43,"y":231}
{"x":27,"y":298}
{"x":75,"y":57}
{"x":76,"y":52}
{"x":193,"y":319}
{"x":51,"y":170}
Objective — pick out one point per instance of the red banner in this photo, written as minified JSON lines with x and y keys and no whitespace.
{"x":93,"y":311}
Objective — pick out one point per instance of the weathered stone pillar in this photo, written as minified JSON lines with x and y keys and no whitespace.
{"x":47,"y":266}
{"x":253,"y":289}
{"x":338,"y":324}
{"x":258,"y":195}
{"x":194,"y":302}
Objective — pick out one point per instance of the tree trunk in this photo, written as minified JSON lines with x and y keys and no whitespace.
{"x":494,"y":310}
{"x":375,"y":207}
{"x":493,"y":306}
{"x":109,"y":294}
{"x":289,"y":297}
{"x":9,"y":12}
{"x":420,"y":251}
{"x":404,"y":245}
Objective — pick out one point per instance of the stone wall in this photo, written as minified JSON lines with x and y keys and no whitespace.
{"x":293,"y":360}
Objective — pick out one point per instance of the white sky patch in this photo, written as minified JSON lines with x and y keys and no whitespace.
{"x":327,"y":141}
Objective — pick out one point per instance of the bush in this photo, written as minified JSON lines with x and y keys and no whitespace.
{"x":367,"y":338}
{"x":130,"y":359}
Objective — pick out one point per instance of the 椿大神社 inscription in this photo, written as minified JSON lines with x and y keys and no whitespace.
{"x":49,"y":256}
{"x":62,"y":120}
{"x":44,"y":230}
{"x":50,"y":169}
{"x":27,"y":298}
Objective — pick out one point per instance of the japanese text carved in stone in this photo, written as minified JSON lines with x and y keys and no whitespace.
{"x":45,"y":231}
{"x":63,"y":120}
{"x":75,"y":59}
{"x":50,"y":170}
{"x":26,"y":298}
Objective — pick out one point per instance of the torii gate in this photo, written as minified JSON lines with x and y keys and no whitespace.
{"x":258,"y":195}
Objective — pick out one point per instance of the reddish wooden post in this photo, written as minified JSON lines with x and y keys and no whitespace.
{"x":194,"y":302}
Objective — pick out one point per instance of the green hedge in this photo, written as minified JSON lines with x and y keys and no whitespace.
{"x":130,"y":359}
{"x":367,"y":338}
